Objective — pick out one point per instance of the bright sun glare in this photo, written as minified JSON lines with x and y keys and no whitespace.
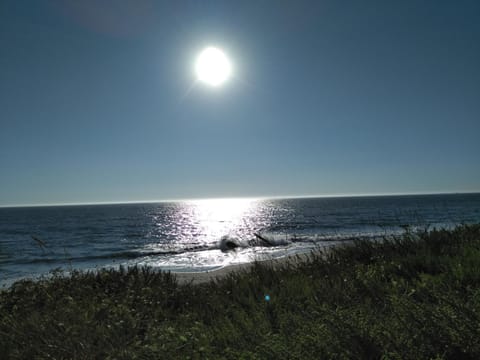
{"x":212,"y":67}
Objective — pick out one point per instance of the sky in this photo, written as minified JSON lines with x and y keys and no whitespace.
{"x":99,"y":101}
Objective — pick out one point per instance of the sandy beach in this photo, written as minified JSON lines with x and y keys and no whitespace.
{"x":206,"y":276}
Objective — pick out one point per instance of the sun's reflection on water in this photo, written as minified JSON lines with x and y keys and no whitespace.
{"x":190,"y":236}
{"x":191,"y":230}
{"x":219,"y":217}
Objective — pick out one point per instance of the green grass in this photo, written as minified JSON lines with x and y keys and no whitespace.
{"x":414,"y":297}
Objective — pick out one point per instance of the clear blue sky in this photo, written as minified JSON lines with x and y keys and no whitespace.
{"x":329,"y":97}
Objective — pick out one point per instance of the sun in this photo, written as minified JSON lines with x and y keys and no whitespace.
{"x":212,"y":67}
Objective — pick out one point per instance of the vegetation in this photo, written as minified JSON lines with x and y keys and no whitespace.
{"x":414,"y":297}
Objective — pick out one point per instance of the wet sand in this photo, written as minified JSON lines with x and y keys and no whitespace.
{"x":206,"y":276}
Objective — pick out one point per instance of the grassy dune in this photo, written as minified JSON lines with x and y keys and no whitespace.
{"x":414,"y":297}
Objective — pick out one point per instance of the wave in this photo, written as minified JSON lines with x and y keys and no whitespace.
{"x":226,"y":243}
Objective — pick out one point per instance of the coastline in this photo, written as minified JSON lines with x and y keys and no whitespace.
{"x":127,"y":235}
{"x":217,"y":274}
{"x":196,"y":277}
{"x":367,"y":299}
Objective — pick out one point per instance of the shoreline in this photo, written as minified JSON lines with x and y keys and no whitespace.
{"x":217,"y":274}
{"x":367,"y":299}
{"x":191,"y":277}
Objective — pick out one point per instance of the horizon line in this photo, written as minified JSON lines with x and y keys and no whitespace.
{"x":253,"y":198}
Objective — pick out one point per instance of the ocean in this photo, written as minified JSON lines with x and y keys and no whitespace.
{"x":202,"y":235}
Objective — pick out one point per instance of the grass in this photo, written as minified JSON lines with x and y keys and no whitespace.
{"x":413,"y":297}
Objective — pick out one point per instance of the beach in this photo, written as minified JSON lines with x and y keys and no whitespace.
{"x":218,"y":274}
{"x":402,"y":298}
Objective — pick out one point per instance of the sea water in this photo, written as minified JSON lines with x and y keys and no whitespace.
{"x":191,"y":235}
